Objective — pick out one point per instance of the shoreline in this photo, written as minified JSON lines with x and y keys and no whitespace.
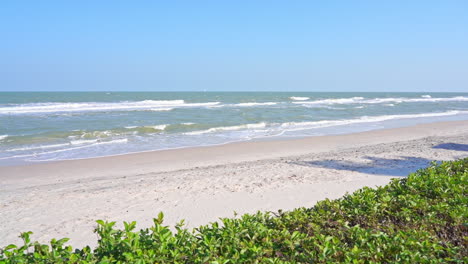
{"x":277,"y":145}
{"x":200,"y":184}
{"x":240,"y":147}
{"x":336,"y":127}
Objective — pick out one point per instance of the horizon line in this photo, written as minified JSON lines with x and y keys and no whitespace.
{"x":185,"y":91}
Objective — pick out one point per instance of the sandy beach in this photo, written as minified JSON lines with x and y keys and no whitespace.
{"x":65,"y":198}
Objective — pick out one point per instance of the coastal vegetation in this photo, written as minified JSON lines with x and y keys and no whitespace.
{"x":422,"y":218}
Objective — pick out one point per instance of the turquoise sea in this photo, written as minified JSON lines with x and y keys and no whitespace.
{"x":48,"y":126}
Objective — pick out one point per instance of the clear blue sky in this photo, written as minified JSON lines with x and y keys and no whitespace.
{"x":234,"y":45}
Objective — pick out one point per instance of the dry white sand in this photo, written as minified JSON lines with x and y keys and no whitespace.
{"x":63,"y":199}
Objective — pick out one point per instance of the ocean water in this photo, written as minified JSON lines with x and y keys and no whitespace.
{"x":42,"y":126}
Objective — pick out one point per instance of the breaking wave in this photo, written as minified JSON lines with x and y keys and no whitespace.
{"x":299,"y":98}
{"x":362,"y":119}
{"x":146,"y":105}
{"x":228,"y":128}
{"x":293,"y":126}
{"x":255,"y":104}
{"x":362,"y":100}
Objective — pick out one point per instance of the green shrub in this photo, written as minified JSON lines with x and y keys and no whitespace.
{"x":418,"y":219}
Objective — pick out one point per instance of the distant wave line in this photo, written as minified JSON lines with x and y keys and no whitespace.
{"x":362,"y":100}
{"x":255,"y":104}
{"x":146,"y":105}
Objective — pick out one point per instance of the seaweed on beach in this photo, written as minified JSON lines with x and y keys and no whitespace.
{"x":419,"y":219}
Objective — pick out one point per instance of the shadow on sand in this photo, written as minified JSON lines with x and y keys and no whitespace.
{"x":452,"y":146}
{"x":380,"y":166}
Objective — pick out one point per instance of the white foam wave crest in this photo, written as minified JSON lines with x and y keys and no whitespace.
{"x":291,"y":126}
{"x":160,"y":127}
{"x":53,"y":107}
{"x":83,"y":141}
{"x":201,"y":104}
{"x":255,"y":104}
{"x":155,"y":127}
{"x":361,"y":100}
{"x":2,"y":137}
{"x":161,"y":109}
{"x":426,"y":96}
{"x":332,"y":101}
{"x":416,"y":100}
{"x":228,"y":128}
{"x":299,"y":98}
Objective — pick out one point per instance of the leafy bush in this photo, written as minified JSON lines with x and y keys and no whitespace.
{"x":418,"y":219}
